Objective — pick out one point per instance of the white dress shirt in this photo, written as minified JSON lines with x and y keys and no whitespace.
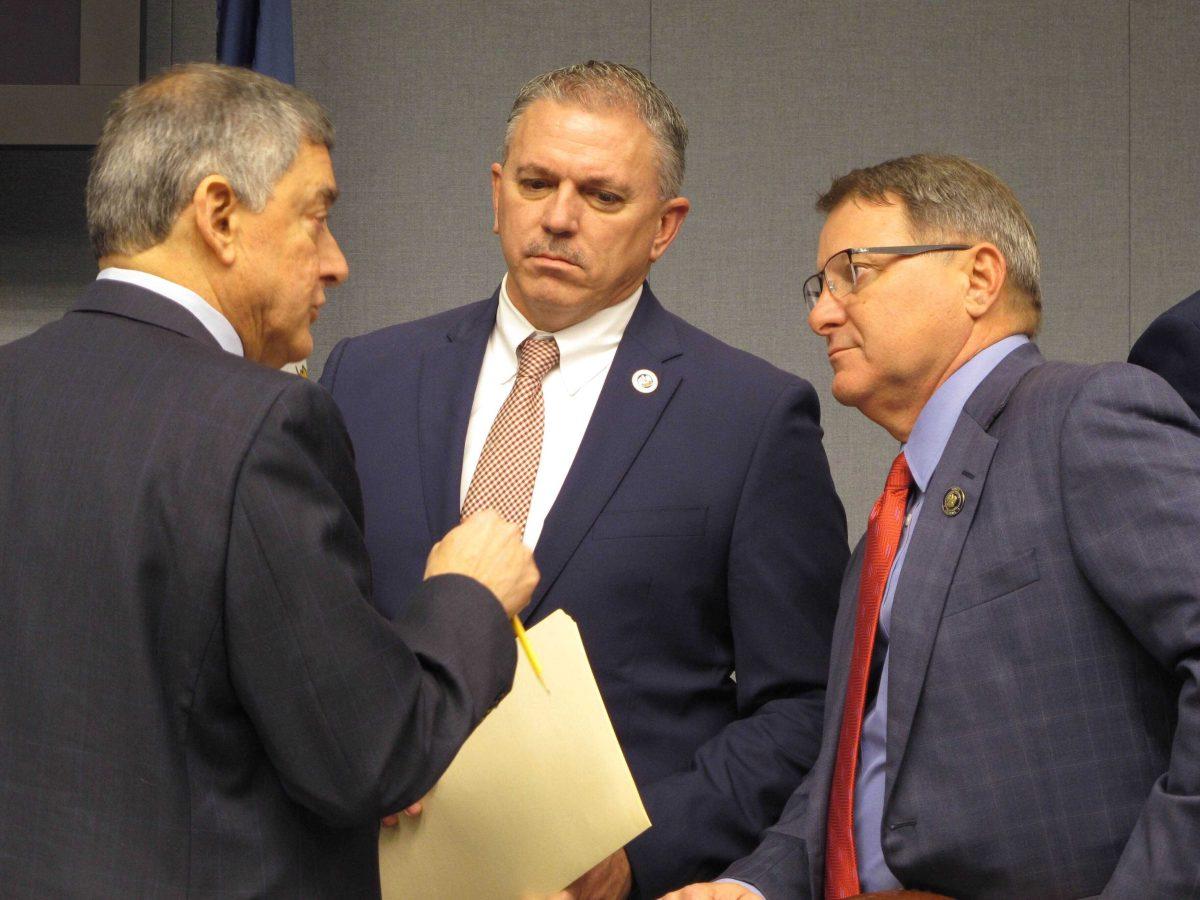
{"x":570,"y":392}
{"x":215,"y":323}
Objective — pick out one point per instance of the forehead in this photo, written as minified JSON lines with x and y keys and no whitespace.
{"x":856,"y":222}
{"x":310,"y":176}
{"x":566,"y":136}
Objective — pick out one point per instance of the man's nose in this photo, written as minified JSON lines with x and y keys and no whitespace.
{"x":334,"y":268}
{"x":827,"y":314}
{"x":561,"y":212}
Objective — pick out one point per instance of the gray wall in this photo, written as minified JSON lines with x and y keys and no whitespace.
{"x":1089,"y":110}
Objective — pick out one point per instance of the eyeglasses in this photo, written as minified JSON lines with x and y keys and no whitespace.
{"x":842,"y":275}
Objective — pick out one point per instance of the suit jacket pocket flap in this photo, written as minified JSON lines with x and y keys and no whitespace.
{"x":623,"y":523}
{"x":993,"y":583}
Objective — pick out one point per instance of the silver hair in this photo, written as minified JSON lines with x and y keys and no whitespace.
{"x":597,"y":83}
{"x":952,"y":197}
{"x":165,"y":136}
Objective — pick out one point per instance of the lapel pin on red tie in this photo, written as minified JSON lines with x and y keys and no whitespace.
{"x":645,"y":381}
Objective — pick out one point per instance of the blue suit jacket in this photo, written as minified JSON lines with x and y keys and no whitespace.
{"x":697,"y":533}
{"x":1044,"y":700}
{"x":1171,"y":347}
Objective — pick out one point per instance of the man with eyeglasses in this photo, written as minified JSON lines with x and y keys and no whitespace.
{"x":1014,"y":693}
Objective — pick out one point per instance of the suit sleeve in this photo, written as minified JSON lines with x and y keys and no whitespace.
{"x":778,"y":866}
{"x":359,"y":715}
{"x":1171,"y":348}
{"x":786,"y":557}
{"x":1130,"y":466}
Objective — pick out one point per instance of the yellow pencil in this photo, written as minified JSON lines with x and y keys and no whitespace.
{"x":519,"y":630}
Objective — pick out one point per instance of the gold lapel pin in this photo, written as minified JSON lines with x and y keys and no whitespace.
{"x":952,"y":503}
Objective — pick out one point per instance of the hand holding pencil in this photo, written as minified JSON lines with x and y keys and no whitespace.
{"x":488,"y":549}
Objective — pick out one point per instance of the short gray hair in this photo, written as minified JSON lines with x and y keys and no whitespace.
{"x":165,"y":136}
{"x":597,"y":83}
{"x":952,"y":197}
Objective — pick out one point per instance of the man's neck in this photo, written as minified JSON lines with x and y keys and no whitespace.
{"x":899,"y":421}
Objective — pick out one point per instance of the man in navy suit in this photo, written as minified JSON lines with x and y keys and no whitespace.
{"x":1029,"y":611}
{"x":1171,"y":347}
{"x":683,"y":512}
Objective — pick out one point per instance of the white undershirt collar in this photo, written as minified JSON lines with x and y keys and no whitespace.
{"x":584,"y":349}
{"x":212,"y":320}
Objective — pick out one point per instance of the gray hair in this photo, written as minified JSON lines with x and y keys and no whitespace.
{"x":597,"y":83}
{"x":165,"y":136}
{"x":952,"y":197}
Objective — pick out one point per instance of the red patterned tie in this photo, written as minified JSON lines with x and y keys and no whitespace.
{"x":508,"y":466}
{"x":883,"y":539}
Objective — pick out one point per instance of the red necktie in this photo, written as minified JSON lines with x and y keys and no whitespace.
{"x":883,"y":538}
{"x":508,"y":465}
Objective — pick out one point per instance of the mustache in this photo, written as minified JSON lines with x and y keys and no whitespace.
{"x":556,"y":248}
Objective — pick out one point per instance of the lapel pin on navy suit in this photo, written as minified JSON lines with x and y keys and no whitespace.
{"x":953,"y":502}
{"x":645,"y":381}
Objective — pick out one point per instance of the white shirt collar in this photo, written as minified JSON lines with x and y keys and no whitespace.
{"x":584,"y":349}
{"x":215,"y":323}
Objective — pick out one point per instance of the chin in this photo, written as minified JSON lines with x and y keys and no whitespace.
{"x":299,"y":350}
{"x":847,"y":392}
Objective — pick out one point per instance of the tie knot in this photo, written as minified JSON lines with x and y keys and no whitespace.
{"x":899,"y":477}
{"x":536,"y":357}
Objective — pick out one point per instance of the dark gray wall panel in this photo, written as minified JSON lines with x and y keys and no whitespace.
{"x":45,"y":259}
{"x":780,"y":97}
{"x":44,"y":254}
{"x":419,"y":92}
{"x":1165,"y":149}
{"x":193,"y":31}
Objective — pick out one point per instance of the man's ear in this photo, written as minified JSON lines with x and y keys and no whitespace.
{"x":986,"y":272}
{"x":216,"y":208}
{"x":674,"y":211}
{"x":497,"y":178}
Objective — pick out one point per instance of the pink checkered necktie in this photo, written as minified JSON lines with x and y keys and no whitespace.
{"x":508,"y":466}
{"x":884,"y":528}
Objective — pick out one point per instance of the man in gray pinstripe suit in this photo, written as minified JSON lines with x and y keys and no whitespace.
{"x":1031,"y":726}
{"x":196,"y":696}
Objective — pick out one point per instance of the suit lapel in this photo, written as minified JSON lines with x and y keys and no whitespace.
{"x":621,"y":422}
{"x":936,"y":547}
{"x":449,"y":373}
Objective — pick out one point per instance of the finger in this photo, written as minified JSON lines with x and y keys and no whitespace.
{"x":390,"y":821}
{"x":415,"y":810}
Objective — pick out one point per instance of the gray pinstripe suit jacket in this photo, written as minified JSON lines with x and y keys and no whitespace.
{"x":1044,"y":706}
{"x":196,"y":697}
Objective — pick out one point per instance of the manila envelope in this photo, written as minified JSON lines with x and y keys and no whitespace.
{"x":538,"y":795}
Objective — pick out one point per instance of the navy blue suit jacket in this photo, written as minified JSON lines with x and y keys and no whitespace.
{"x":697,"y":533}
{"x":1171,"y":347}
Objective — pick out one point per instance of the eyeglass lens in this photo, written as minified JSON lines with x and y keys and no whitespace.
{"x":837,"y":275}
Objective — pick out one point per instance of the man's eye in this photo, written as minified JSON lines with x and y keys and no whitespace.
{"x":858,"y":270}
{"x":607,"y":199}
{"x":535,"y":184}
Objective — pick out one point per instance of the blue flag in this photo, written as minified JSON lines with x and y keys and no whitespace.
{"x":257,"y":34}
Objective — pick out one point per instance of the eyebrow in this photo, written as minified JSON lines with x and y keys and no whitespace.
{"x":329,"y":195}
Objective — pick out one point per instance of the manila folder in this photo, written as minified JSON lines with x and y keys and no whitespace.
{"x":538,"y":795}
